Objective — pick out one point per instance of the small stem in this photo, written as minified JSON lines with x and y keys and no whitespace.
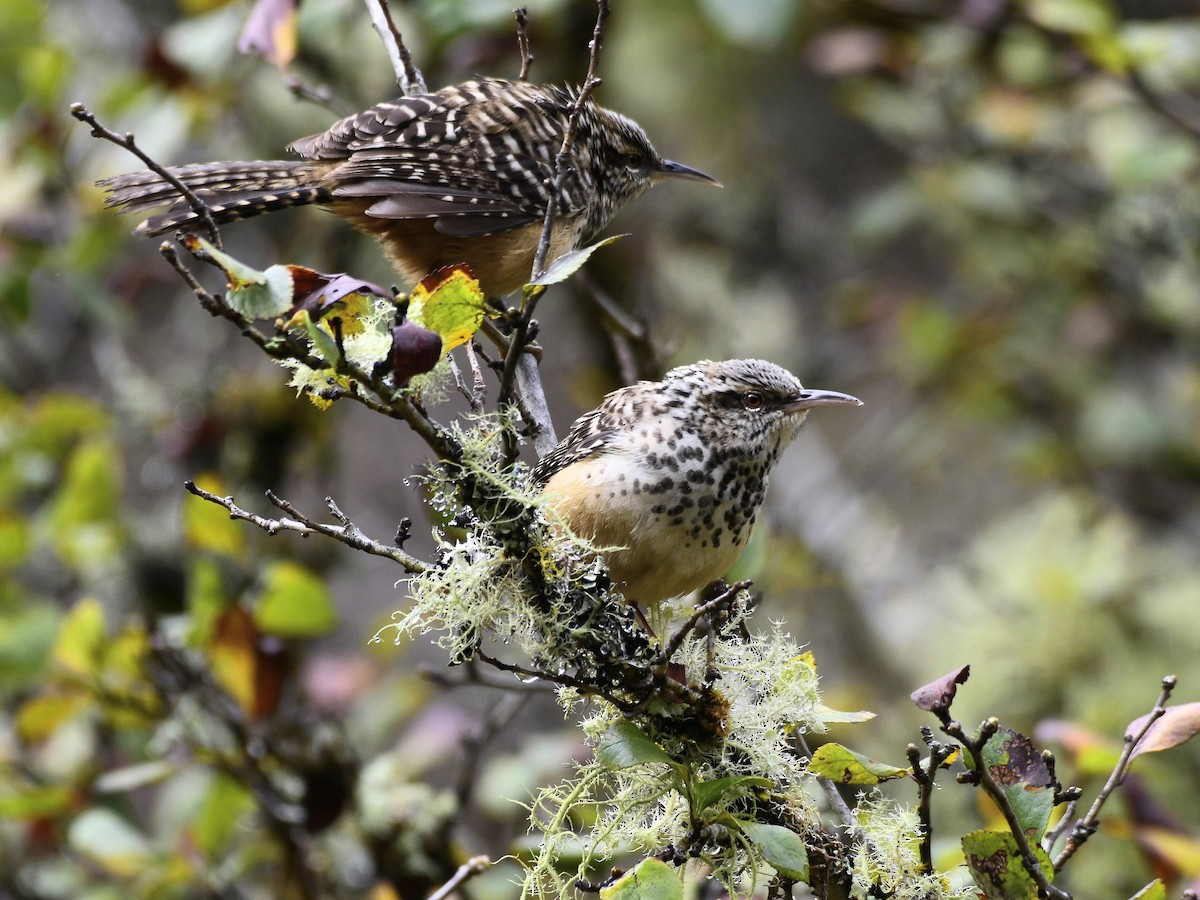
{"x":1086,"y":827}
{"x":408,"y":76}
{"x":127,"y":142}
{"x":467,"y":871}
{"x":347,"y":533}
{"x":992,"y":789}
{"x":522,"y":17}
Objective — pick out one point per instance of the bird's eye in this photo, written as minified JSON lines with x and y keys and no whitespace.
{"x":632,"y":160}
{"x":753,"y":400}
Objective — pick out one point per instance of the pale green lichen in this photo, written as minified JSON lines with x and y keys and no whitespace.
{"x":888,"y":862}
{"x":769,"y":692}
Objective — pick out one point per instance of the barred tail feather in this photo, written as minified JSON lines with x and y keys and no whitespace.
{"x":231,"y":190}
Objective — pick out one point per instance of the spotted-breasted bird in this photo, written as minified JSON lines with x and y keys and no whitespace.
{"x":462,"y":175}
{"x":668,"y":476}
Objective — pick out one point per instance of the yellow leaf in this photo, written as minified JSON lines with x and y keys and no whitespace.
{"x":81,"y":638}
{"x":40,"y":717}
{"x":450,"y":303}
{"x":233,"y":654}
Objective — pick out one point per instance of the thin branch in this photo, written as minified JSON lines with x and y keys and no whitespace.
{"x":351,"y":535}
{"x":1158,"y":104}
{"x":127,"y":142}
{"x":468,"y":870}
{"x":924,"y":777}
{"x":1086,"y":827}
{"x":983,"y":777}
{"x":563,"y":159}
{"x":699,"y":613}
{"x":522,"y":16}
{"x":408,"y":76}
{"x":514,"y":358}
{"x":347,"y":533}
{"x":321,"y":95}
{"x":836,"y":803}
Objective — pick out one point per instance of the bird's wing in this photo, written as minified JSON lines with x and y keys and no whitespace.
{"x":592,"y":434}
{"x":475,"y":157}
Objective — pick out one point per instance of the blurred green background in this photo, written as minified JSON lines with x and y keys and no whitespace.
{"x":983,"y":218}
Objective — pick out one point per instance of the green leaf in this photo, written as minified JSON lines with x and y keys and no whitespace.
{"x":626,"y":745}
{"x":225,"y":805}
{"x":651,"y":879}
{"x":995,"y":863}
{"x":1017,"y":766}
{"x":779,"y":846}
{"x":294,"y":603}
{"x":843,"y":765}
{"x":27,"y":637}
{"x":570,"y":263}
{"x":36,"y":802}
{"x":323,"y":343}
{"x":81,"y":638}
{"x":1082,"y":17}
{"x":1155,"y":890}
{"x":254,"y":294}
{"x":450,"y":303}
{"x":708,"y":793}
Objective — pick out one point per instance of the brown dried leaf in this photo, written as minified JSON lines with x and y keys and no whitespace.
{"x":939,"y":694}
{"x":1177,"y":725}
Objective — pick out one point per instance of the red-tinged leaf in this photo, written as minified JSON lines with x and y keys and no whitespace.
{"x":270,"y":31}
{"x":320,"y":293}
{"x":415,"y":351}
{"x":939,"y":694}
{"x":1176,"y":725}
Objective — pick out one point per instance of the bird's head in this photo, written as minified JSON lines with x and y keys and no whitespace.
{"x":748,"y":404}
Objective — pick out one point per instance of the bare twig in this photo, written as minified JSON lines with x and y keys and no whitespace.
{"x":473,"y":399}
{"x":836,"y":803}
{"x":924,"y":777}
{"x":699,"y":613}
{"x":1086,"y":827}
{"x":347,"y":533}
{"x":408,"y":76}
{"x":468,"y":870}
{"x":522,"y":17}
{"x":1158,"y":104}
{"x":514,"y":358}
{"x":127,"y":142}
{"x":322,"y":96}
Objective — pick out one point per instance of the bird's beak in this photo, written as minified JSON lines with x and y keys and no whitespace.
{"x":670,"y":169}
{"x":807,"y":399}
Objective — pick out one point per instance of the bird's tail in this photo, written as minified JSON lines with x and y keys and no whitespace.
{"x":231,"y":190}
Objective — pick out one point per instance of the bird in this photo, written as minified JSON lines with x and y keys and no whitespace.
{"x":666,"y":478}
{"x":461,"y":175}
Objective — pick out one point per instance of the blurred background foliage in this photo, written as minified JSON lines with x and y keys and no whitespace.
{"x":982,"y":217}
